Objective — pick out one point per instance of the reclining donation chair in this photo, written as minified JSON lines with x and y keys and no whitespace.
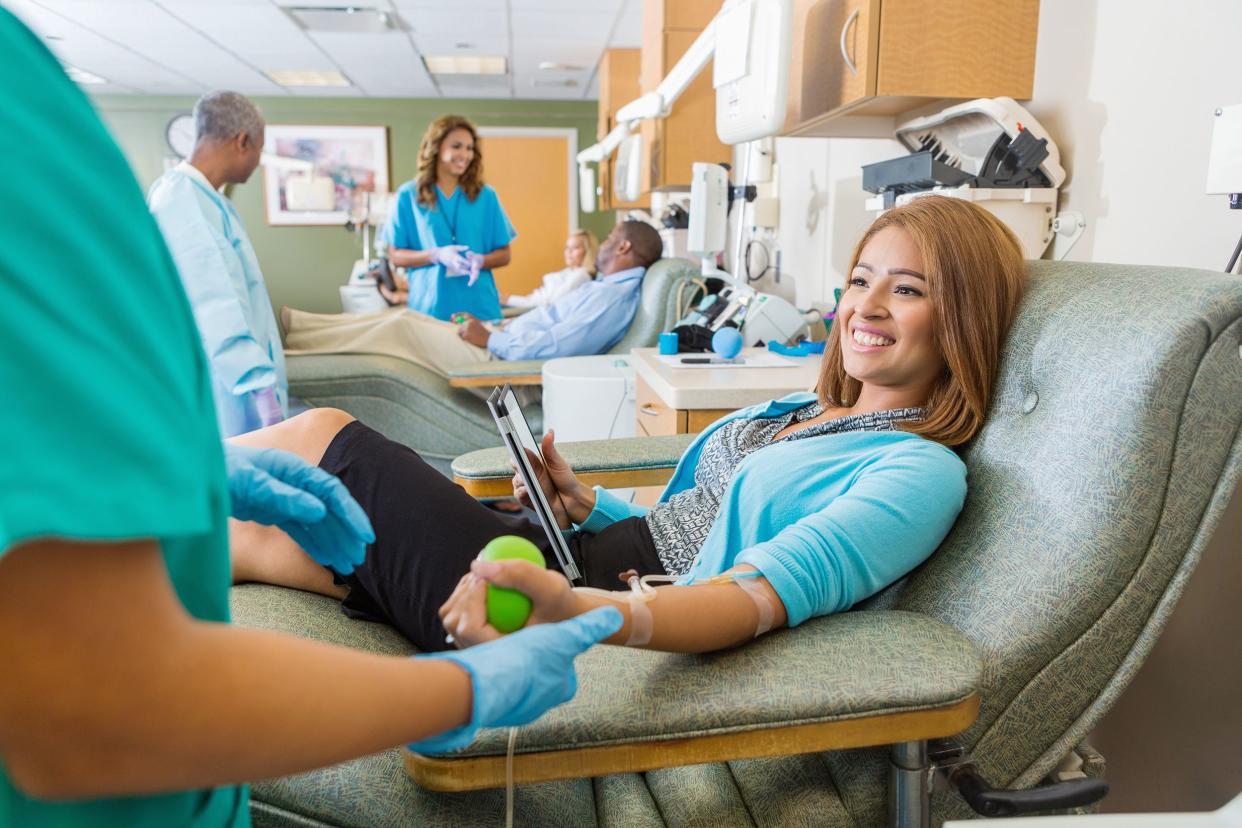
{"x":1111,"y":450}
{"x":441,"y":418}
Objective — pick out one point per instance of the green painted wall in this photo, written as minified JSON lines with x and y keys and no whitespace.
{"x":304,"y":266}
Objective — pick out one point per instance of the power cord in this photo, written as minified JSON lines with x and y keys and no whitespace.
{"x":1233,"y":260}
{"x":767,"y":260}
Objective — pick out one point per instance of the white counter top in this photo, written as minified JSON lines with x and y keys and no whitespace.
{"x":709,"y":387}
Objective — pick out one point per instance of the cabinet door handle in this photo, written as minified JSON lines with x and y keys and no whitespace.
{"x":649,"y":409}
{"x":845,"y":30}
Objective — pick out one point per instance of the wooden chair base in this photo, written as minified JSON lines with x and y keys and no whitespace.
{"x":476,"y":773}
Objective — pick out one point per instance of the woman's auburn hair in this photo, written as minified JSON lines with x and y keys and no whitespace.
{"x":975,"y":278}
{"x":590,"y":244}
{"x":471,"y":181}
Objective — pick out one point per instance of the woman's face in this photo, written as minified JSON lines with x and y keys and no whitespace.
{"x":575,"y":251}
{"x":456,"y":153}
{"x":885,"y":317}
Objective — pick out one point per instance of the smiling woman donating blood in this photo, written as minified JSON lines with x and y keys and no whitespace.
{"x":777,"y":513}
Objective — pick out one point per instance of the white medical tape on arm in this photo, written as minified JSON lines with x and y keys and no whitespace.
{"x":763,"y":603}
{"x":641,"y":622}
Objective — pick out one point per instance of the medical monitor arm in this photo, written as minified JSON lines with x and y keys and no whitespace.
{"x":657,"y":104}
{"x":596,"y":153}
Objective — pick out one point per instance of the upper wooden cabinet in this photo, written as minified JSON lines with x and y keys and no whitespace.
{"x":856,"y":64}
{"x":618,"y":85}
{"x":671,"y":145}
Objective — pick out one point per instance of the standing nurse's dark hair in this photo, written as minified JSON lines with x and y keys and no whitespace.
{"x":429,"y":152}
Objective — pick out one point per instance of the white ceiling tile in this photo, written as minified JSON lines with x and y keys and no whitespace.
{"x":381,"y":65}
{"x":161,"y":37}
{"x":263,"y":36}
{"x":433,"y":43}
{"x":628,"y":31}
{"x":530,"y":52}
{"x":565,"y":5}
{"x":562,"y":24}
{"x":459,"y":6}
{"x":454,"y":26}
{"x":525,"y":87}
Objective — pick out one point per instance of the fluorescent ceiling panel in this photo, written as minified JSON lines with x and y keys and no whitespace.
{"x":441,"y":65}
{"x":82,"y":76}
{"x":308,"y":77}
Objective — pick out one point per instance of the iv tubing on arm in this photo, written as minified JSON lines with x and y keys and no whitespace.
{"x":714,"y":614}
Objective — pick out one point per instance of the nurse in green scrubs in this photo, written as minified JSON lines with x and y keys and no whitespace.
{"x":126,"y":698}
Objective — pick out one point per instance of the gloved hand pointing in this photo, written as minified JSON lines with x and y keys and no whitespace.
{"x":519,"y":677}
{"x":280,"y":489}
{"x":453,"y":257}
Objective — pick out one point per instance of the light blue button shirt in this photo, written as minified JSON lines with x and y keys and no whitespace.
{"x":221,"y":275}
{"x":480,"y":224}
{"x":589,"y":320}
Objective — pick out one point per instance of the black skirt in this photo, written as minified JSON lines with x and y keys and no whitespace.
{"x":428,"y":530}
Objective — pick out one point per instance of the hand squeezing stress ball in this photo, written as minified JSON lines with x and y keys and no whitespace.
{"x":508,"y":609}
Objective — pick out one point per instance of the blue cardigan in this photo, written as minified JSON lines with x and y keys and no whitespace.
{"x":828,"y":520}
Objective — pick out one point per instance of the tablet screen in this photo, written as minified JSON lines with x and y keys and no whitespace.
{"x":517,"y":435}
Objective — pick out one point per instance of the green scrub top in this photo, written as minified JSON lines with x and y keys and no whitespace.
{"x":108,"y":425}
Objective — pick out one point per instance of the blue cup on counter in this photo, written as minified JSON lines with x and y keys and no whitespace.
{"x":668,"y":343}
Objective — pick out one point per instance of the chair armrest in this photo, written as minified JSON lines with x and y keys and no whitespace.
{"x":856,"y":679}
{"x":628,"y":461}
{"x":498,"y":372}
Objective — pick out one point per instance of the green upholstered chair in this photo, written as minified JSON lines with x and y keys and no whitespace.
{"x":442,"y":418}
{"x":1110,"y":452}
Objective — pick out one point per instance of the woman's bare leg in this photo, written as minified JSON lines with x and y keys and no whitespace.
{"x":265,"y":554}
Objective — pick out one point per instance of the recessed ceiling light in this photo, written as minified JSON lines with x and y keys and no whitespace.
{"x":82,"y":76}
{"x":463,"y":45}
{"x":556,"y":66}
{"x":553,"y":82}
{"x":307,"y":77}
{"x":52,"y":37}
{"x":466,"y":64}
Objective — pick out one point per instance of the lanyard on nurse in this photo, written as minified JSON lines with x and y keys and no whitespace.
{"x":452,"y":223}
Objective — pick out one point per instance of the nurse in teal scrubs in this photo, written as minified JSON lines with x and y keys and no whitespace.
{"x":448,"y":227}
{"x":127,"y":699}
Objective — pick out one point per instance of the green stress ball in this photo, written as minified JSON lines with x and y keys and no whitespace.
{"x":508,"y":609}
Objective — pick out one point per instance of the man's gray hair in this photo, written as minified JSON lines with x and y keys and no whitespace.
{"x":222,"y":116}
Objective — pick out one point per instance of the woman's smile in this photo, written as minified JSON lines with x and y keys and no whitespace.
{"x":865,"y":339}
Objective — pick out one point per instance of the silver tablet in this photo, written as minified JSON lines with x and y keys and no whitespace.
{"x":516,"y":433}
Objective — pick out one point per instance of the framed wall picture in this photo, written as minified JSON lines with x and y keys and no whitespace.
{"x":313,"y":174}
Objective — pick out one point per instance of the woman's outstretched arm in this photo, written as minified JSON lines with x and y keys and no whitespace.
{"x":683,"y":619}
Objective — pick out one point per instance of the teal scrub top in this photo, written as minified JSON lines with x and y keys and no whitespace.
{"x":108,"y":417}
{"x":480,"y":224}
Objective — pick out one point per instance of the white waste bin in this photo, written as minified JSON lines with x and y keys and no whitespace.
{"x":588,"y":398}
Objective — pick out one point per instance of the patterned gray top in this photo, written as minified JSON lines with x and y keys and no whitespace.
{"x":679,"y":526}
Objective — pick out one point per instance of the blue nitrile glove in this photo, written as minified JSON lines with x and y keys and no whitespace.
{"x":280,"y":489}
{"x":453,"y":257}
{"x":516,"y":679}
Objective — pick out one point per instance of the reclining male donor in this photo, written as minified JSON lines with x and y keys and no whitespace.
{"x":589,"y":320}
